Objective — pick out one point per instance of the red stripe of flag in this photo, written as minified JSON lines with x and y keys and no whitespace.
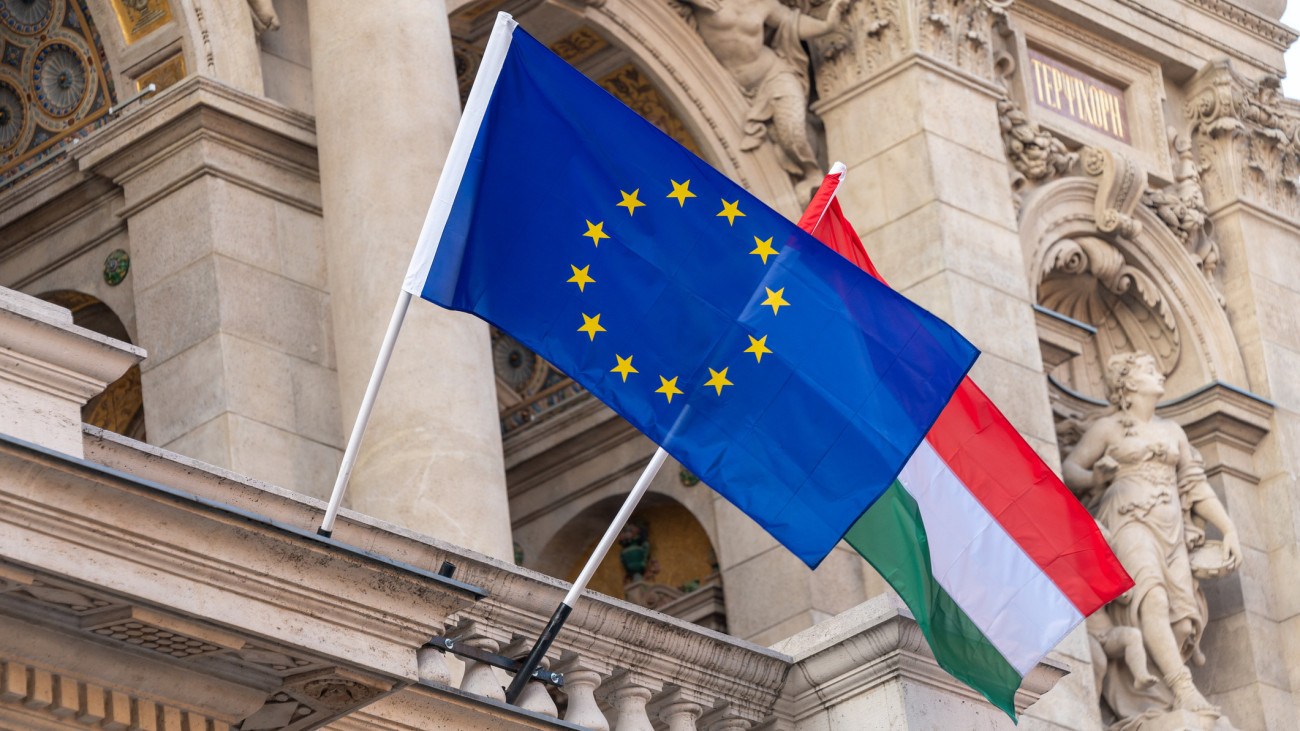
{"x":996,"y":464}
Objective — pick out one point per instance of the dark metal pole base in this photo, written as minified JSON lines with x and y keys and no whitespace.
{"x":539,"y":651}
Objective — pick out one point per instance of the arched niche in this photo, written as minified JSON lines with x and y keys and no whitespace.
{"x":1141,"y":292}
{"x":663,"y":559}
{"x":657,"y":41}
{"x":120,"y":408}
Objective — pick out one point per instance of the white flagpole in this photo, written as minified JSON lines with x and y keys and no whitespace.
{"x":363,"y":416}
{"x":426,"y":246}
{"x":562,"y":612}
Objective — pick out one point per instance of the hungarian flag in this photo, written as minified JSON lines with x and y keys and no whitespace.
{"x":994,"y":556}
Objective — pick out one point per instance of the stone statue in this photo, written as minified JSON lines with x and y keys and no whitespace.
{"x":773,"y":76}
{"x":264,"y":16}
{"x":1146,"y":486}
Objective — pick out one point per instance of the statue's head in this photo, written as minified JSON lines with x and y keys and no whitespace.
{"x":1131,"y":373}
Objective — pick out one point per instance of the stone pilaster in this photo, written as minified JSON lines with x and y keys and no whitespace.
{"x":223,"y":211}
{"x":432,"y":458}
{"x":928,"y":189}
{"x":1245,"y":134}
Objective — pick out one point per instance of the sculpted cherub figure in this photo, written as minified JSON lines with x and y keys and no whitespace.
{"x":1146,"y":485}
{"x":774,"y":77}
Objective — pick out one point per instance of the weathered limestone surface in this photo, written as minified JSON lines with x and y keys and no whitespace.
{"x":222,"y":202}
{"x":49,"y":369}
{"x":432,"y":455}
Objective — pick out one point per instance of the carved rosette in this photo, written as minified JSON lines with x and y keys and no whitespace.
{"x":1245,"y":134}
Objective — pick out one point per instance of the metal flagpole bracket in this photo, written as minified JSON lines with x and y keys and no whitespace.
{"x":456,"y":647}
{"x":562,"y":612}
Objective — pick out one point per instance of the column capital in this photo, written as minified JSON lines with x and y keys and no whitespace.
{"x":877,"y":37}
{"x":1245,"y":136}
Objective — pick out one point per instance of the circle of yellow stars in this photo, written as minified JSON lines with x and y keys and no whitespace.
{"x":591,"y":324}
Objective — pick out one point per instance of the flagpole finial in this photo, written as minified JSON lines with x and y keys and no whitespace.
{"x":838,"y":168}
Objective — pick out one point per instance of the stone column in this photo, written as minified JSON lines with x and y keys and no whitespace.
{"x":1245,"y":134}
{"x":387,"y":107}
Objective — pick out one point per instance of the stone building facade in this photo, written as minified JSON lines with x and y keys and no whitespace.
{"x":206,"y":209}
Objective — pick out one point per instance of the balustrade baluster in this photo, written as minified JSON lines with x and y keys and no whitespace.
{"x":580,"y":684}
{"x":431,"y":666}
{"x":480,"y":678}
{"x":681,"y":715}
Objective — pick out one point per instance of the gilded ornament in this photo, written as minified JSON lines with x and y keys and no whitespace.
{"x":116,"y":266}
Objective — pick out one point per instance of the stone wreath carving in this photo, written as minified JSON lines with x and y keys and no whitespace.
{"x":1035,"y":154}
{"x":773,"y":76}
{"x":1145,"y":484}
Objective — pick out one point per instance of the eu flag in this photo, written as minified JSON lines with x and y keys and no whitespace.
{"x":789,"y":380}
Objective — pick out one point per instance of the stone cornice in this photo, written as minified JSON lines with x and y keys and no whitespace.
{"x":45,"y":351}
{"x":604,"y":632}
{"x":202,"y":127}
{"x":1222,"y":411}
{"x":1270,"y":30}
{"x":876,"y":642}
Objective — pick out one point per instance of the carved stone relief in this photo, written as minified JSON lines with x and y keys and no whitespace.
{"x":1035,"y":154}
{"x":1145,"y":484}
{"x":961,"y":32}
{"x":1245,"y":134}
{"x":1182,"y":208}
{"x":773,"y":75}
{"x":870,"y":38}
{"x":264,"y":16}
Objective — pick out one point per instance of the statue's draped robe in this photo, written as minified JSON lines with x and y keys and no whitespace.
{"x":1148,"y":511}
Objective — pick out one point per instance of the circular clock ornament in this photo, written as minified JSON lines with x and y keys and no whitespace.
{"x":13,"y":115}
{"x":60,"y":79}
{"x":116,"y":267}
{"x":27,"y":17}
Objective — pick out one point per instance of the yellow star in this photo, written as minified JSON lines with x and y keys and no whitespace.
{"x":731,"y":211}
{"x":680,"y":192}
{"x":669,"y":388}
{"x":581,"y":277}
{"x":758,"y":347}
{"x":624,"y":367}
{"x":719,"y":380}
{"x":775,"y":299}
{"x":591,"y":325}
{"x":596,"y":232}
{"x":764,"y":248}
{"x":630,"y":201}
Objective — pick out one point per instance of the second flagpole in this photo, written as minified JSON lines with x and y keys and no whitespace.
{"x":597,"y":556}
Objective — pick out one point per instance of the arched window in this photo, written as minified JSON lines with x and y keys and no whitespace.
{"x":120,"y":408}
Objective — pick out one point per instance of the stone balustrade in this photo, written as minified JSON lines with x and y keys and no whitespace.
{"x":139,"y":583}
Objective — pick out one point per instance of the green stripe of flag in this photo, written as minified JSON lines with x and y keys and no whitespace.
{"x":891,"y":536}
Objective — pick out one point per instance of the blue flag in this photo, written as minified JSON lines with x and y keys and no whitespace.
{"x":789,"y":380}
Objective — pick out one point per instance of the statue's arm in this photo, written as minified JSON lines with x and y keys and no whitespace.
{"x":1207,"y":505}
{"x":1077,"y":470}
{"x":810,"y":27}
